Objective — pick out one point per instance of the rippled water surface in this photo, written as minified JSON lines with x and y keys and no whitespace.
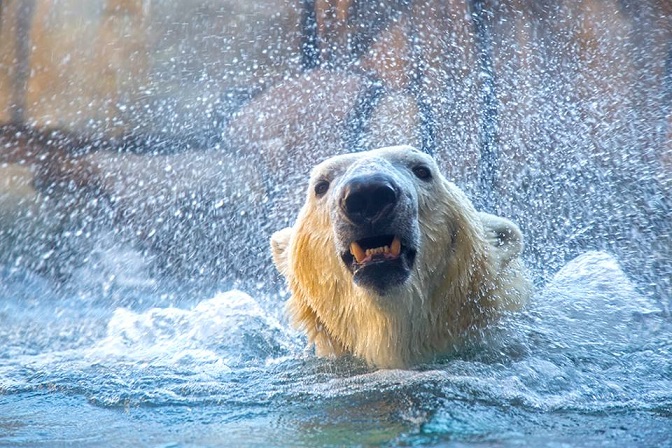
{"x":588,"y":363}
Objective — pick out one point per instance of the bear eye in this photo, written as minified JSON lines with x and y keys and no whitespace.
{"x":422,"y":172}
{"x":321,"y":187}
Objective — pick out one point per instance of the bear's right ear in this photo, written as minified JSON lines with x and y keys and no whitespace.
{"x":504,"y":236}
{"x":279,"y":245}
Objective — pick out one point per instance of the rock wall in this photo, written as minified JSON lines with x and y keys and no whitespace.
{"x":556,"y":114}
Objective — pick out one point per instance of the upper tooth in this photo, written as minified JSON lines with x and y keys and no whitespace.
{"x":360,"y":254}
{"x":395,"y":248}
{"x":357,"y":252}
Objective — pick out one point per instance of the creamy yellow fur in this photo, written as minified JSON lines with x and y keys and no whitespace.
{"x":466,"y":270}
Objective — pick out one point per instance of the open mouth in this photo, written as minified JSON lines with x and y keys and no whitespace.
{"x":383,"y":247}
{"x":379,"y":262}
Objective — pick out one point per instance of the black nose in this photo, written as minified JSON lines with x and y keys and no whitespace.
{"x":368,"y":198}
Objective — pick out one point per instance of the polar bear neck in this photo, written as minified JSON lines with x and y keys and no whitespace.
{"x":394,"y":335}
{"x":411,"y":326}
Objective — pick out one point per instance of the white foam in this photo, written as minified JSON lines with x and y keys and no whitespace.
{"x":227,"y":330}
{"x":594,"y":287}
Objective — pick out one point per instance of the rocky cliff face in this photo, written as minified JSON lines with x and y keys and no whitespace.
{"x":187,"y":127}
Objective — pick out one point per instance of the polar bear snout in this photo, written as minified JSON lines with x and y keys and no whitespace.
{"x":368,"y":199}
{"x":375,"y":229}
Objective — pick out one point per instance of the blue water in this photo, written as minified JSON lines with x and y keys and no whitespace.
{"x":587,"y":363}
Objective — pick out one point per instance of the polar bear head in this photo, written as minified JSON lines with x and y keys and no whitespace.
{"x":390,"y":261}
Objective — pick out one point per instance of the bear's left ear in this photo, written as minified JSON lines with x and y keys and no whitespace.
{"x":279,"y":244}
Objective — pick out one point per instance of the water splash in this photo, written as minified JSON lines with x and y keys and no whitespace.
{"x":588,"y":349}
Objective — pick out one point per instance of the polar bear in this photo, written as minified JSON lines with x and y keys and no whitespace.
{"x":390,"y":262}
